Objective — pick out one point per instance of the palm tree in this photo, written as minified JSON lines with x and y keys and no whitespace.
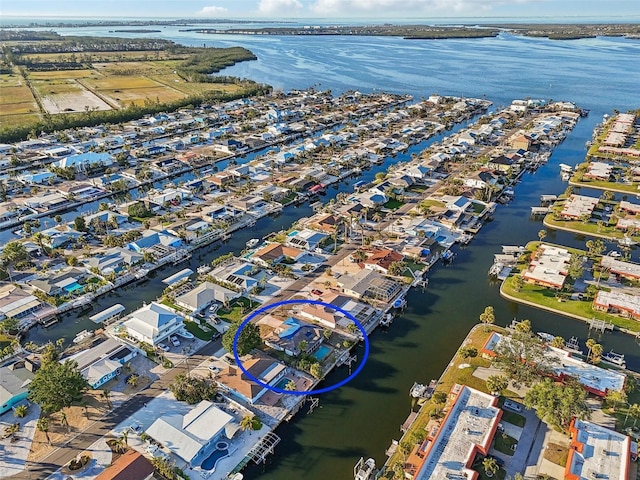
{"x":64,"y":420}
{"x":590,"y":343}
{"x":290,"y":386}
{"x":43,"y":426}
{"x":125,"y":437}
{"x":247,"y":422}
{"x":596,"y":352}
{"x":106,"y":395}
{"x":490,"y":466}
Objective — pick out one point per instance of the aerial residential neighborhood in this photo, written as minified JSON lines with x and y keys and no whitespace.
{"x":185,"y":385}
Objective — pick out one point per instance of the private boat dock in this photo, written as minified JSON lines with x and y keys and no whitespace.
{"x":504,"y":262}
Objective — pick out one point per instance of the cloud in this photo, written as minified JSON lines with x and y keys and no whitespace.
{"x":270,"y":7}
{"x":431,"y":7}
{"x":213,"y":11}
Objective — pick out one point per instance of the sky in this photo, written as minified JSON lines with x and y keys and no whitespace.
{"x":325,"y":9}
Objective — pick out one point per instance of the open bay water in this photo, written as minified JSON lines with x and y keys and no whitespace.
{"x":360,"y":419}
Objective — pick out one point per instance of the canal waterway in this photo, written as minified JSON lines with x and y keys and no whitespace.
{"x":362,"y":417}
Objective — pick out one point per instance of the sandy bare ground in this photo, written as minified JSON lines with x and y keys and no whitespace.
{"x":73,"y":102}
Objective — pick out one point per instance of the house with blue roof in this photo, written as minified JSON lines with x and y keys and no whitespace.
{"x":14,"y":383}
{"x":294,"y":337}
{"x":83,"y":161}
{"x":151,"y":238}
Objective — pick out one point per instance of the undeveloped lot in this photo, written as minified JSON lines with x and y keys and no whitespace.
{"x":76,"y":101}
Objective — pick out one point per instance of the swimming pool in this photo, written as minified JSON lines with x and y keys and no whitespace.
{"x":292,"y":234}
{"x":282,"y":384}
{"x":221,"y":451}
{"x":322,"y":352}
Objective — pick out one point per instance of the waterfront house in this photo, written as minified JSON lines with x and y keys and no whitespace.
{"x":598,"y":452}
{"x":273,"y":253}
{"x":115,"y":260}
{"x":618,"y":302}
{"x":520,"y":141}
{"x":627,"y":270}
{"x":548,"y":267}
{"x":467,"y":430}
{"x":130,"y":465}
{"x":578,"y":207}
{"x":191,"y":435}
{"x":369,"y":284}
{"x":294,"y":337}
{"x":306,"y":239}
{"x":324,"y":222}
{"x":630,"y":208}
{"x":502,"y":163}
{"x":238,"y":384}
{"x":14,"y":382}
{"x":599,"y":171}
{"x":628,"y":224}
{"x":332,"y":318}
{"x":381,"y":259}
{"x":151,"y":240}
{"x":47,"y":202}
{"x":204,"y":295}
{"x":236,"y":273}
{"x":107,"y":222}
{"x":565,"y":367}
{"x":17,"y":303}
{"x":153,"y":323}
{"x":102,"y":362}
{"x":64,"y":282}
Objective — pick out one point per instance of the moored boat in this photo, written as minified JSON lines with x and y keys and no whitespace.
{"x":614,"y":358}
{"x":253,"y":242}
{"x":573,"y":346}
{"x":364,"y":469}
{"x":547,"y":337}
{"x":82,"y":336}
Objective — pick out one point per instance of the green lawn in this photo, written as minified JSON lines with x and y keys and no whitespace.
{"x":546,"y":298}
{"x":195,"y":329}
{"x":238,"y":309}
{"x":393,"y":204}
{"x":603,"y":185}
{"x":504,"y":443}
{"x":590,"y":228}
{"x":513,"y":418}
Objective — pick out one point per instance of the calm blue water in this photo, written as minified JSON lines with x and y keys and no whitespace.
{"x":362,"y":417}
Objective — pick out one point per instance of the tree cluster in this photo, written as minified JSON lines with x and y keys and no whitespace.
{"x":192,"y":390}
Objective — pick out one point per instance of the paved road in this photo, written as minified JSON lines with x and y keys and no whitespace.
{"x":100,"y":428}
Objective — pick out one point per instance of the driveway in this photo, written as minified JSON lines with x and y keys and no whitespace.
{"x":13,"y":456}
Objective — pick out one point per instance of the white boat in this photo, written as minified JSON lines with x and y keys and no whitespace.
{"x":364,"y":469}
{"x":82,"y":336}
{"x":566,"y":168}
{"x":420,"y":390}
{"x":387,"y":320}
{"x":253,"y":242}
{"x":547,"y":337}
{"x":202,"y":269}
{"x":614,"y":359}
{"x":626,"y":241}
{"x":573,"y":346}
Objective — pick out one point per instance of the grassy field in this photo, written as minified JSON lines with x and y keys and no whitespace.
{"x":634,"y":187}
{"x":17,"y":105}
{"x":119,"y":83}
{"x":103,"y":56}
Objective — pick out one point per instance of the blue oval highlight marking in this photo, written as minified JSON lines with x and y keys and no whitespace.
{"x":301,"y":392}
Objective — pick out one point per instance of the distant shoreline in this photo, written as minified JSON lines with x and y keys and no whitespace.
{"x":554,"y":31}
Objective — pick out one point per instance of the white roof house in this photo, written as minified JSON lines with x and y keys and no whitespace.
{"x":597,"y":452}
{"x":204,"y":295}
{"x":190,"y":436}
{"x":153,"y":323}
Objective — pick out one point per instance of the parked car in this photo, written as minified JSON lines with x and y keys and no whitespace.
{"x":214,"y":369}
{"x":135,"y":428}
{"x":164,"y":347}
{"x":174,"y":341}
{"x":229,"y":360}
{"x":317,"y":292}
{"x":516,"y":407}
{"x":216,"y":336}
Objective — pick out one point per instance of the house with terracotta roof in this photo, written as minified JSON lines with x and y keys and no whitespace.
{"x":276,"y":252}
{"x":380,"y":260}
{"x":129,"y":466}
{"x":266,"y":369}
{"x":327,"y":223}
